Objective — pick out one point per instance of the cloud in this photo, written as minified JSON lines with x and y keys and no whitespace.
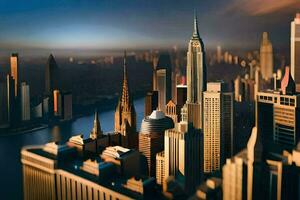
{"x":262,"y":7}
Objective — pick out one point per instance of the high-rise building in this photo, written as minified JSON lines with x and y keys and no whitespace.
{"x":181,"y":95}
{"x":183,"y":154}
{"x":266,"y":57}
{"x":164,"y":62}
{"x":57,"y":103}
{"x":154,"y":76}
{"x":295,"y":50}
{"x":161,"y":88}
{"x":125,"y":116}
{"x":217,"y":126}
{"x":171,"y":111}
{"x":25,"y":102}
{"x":67,"y":106}
{"x":151,"y":137}
{"x":7,"y":101}
{"x":196,"y":77}
{"x":278,"y":116}
{"x":14,"y":70}
{"x":238,"y":89}
{"x":151,"y":102}
{"x":219,"y":54}
{"x":51,"y":76}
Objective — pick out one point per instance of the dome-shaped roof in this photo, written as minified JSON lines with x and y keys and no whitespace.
{"x":157,"y":122}
{"x":157,"y":114}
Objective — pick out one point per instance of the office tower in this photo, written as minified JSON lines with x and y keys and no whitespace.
{"x":151,"y":137}
{"x":278,"y":116}
{"x":57,"y":103}
{"x":161,"y":88}
{"x":183,"y":154}
{"x":154,"y":76}
{"x":217,"y":126}
{"x":46,"y":175}
{"x":125,"y":116}
{"x":14,"y":70}
{"x":96,"y":131}
{"x":266,"y":57}
{"x":295,"y":50}
{"x":151,"y":102}
{"x":67,"y":106}
{"x":25,"y":102}
{"x":219,"y":54}
{"x":160,"y":168}
{"x":51,"y":76}
{"x":181,"y":95}
{"x":7,"y":100}
{"x":164,"y":62}
{"x":238,"y":89}
{"x":196,"y":77}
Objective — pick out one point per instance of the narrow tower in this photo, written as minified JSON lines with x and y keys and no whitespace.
{"x":196,"y":77}
{"x":96,"y":132}
{"x":125,"y":116}
{"x":266,"y":57}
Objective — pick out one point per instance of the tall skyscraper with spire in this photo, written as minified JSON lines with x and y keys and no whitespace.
{"x":125,"y":115}
{"x":51,"y":79}
{"x":266,"y":57}
{"x":196,"y":77}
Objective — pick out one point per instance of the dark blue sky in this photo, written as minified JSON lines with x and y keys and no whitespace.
{"x":118,"y":24}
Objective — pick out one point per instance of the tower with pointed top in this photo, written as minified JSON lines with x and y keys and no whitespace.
{"x":51,"y":73}
{"x":196,"y":77}
{"x":96,"y":132}
{"x":125,"y":116}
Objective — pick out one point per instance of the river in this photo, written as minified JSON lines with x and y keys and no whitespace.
{"x":10,"y":146}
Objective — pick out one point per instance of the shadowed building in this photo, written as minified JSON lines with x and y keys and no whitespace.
{"x":51,"y":76}
{"x":196,"y":77}
{"x":125,"y":116}
{"x":151,"y":102}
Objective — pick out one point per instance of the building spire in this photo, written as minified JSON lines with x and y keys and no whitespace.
{"x":196,"y":31}
{"x":125,"y":92}
{"x":96,"y":132}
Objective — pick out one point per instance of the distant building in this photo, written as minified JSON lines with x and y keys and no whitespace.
{"x":219,"y":54}
{"x":295,"y":50}
{"x":14,"y":71}
{"x":162,"y":88}
{"x":266,"y":57}
{"x":151,"y":102}
{"x":125,"y":116}
{"x":67,"y":106}
{"x":217,"y":126}
{"x":160,"y":168}
{"x":7,"y":101}
{"x":151,"y":137}
{"x":57,"y":103}
{"x":164,"y":63}
{"x":196,"y":77}
{"x":25,"y":102}
{"x":51,"y":76}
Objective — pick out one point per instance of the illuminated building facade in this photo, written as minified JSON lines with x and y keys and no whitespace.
{"x":266,"y":57}
{"x":14,"y":70}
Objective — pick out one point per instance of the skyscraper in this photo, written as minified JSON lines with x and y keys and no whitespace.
{"x":125,"y":116}
{"x":266,"y":57}
{"x":217,"y":126}
{"x":14,"y":70}
{"x":295,"y":50}
{"x":151,"y":137}
{"x":162,"y":88}
{"x":67,"y":106}
{"x":278,"y":116}
{"x":196,"y":77}
{"x":181,"y":95}
{"x":151,"y":102}
{"x":164,"y":62}
{"x":51,"y":75}
{"x":57,"y":103}
{"x":25,"y":102}
{"x":219,"y":54}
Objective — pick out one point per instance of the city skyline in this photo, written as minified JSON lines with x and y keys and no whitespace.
{"x":108,"y":25}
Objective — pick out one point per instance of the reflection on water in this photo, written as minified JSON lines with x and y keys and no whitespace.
{"x":10,"y":146}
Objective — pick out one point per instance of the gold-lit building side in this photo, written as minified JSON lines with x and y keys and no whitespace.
{"x":160,"y":168}
{"x":14,"y":71}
